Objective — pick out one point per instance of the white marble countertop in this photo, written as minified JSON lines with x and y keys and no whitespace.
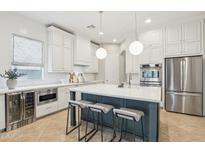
{"x":44,"y":86}
{"x":149,"y":94}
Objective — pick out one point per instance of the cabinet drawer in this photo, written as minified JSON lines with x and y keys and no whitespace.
{"x":45,"y":109}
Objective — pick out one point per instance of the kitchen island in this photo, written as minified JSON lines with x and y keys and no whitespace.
{"x":147,"y":99}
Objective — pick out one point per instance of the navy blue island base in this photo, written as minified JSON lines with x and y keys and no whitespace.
{"x":151,"y":110}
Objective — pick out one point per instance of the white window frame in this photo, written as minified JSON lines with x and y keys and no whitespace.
{"x":29,"y":64}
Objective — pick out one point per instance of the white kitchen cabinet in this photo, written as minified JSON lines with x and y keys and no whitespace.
{"x":93,"y":68}
{"x":60,"y":50}
{"x":63,"y":97}
{"x":56,"y":55}
{"x":151,"y":37}
{"x":45,"y":109}
{"x":82,"y":54}
{"x":55,"y":36}
{"x":192,"y":37}
{"x":2,"y":112}
{"x":153,"y":45}
{"x":173,"y":40}
{"x":184,"y":39}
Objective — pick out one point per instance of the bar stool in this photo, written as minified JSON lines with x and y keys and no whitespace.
{"x":100,"y":109}
{"x":129,"y":114}
{"x":80,"y":104}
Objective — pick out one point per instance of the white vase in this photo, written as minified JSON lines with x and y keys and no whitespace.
{"x":11,"y":83}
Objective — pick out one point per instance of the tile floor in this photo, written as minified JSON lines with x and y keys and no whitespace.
{"x":173,"y":127}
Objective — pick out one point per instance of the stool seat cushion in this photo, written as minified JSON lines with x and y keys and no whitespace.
{"x":81,"y":103}
{"x":136,"y":114}
{"x":98,"y":107}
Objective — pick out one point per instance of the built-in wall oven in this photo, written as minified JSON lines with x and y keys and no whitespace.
{"x":151,"y":75}
{"x":20,"y":109}
{"x":46,"y":96}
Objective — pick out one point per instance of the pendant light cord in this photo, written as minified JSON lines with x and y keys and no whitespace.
{"x":100,"y":27}
{"x":136,"y":31}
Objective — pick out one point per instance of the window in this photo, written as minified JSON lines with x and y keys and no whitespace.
{"x":28,"y":57}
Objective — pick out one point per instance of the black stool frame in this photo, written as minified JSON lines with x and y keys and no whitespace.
{"x":79,"y":122}
{"x":100,"y":114}
{"x":122,"y":124}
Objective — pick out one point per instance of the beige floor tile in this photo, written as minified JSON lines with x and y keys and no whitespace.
{"x":173,"y":127}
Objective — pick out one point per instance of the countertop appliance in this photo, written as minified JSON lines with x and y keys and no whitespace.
{"x":20,"y":109}
{"x":46,"y":96}
{"x":151,"y":75}
{"x":184,"y":85}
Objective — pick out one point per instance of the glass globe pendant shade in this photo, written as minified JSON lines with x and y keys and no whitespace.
{"x":136,"y":48}
{"x":101,"y":53}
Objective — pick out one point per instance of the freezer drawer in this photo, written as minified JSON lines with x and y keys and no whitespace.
{"x":189,"y":103}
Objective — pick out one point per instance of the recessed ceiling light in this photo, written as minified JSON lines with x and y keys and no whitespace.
{"x":114,"y":40}
{"x":148,"y":21}
{"x":101,"y":33}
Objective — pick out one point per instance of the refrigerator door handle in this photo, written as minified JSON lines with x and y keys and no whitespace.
{"x":181,"y":75}
{"x":184,"y":94}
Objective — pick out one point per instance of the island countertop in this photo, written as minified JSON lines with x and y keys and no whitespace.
{"x":149,"y":94}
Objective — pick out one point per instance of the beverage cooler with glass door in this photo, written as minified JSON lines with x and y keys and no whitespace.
{"x":20,"y":109}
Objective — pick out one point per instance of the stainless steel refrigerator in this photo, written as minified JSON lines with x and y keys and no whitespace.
{"x":184,"y":85}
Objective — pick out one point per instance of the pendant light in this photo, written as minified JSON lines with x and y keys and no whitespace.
{"x":101,"y":53}
{"x":136,"y":47}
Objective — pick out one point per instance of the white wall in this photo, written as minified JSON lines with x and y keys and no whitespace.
{"x":17,"y":24}
{"x":109,"y":67}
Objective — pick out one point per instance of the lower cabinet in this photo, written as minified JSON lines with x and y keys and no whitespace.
{"x":46,"y":109}
{"x":63,"y":97}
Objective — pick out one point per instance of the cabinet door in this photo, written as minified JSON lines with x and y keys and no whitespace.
{"x":63,"y":97}
{"x":191,"y":38}
{"x":57,"y":38}
{"x":156,"y":55}
{"x":151,"y":37}
{"x":93,"y":68}
{"x":67,"y":59}
{"x":68,"y":41}
{"x":57,"y":58}
{"x":82,"y":52}
{"x":173,"y":40}
{"x":144,"y":57}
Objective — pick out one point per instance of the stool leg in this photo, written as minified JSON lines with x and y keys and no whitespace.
{"x":142,"y":127}
{"x":121,"y":131}
{"x":67,"y":120}
{"x":101,"y":126}
{"x":79,"y":123}
{"x":86,"y":127}
{"x":114,"y":133}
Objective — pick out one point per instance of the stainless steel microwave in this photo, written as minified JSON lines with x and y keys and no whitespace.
{"x":46,"y":96}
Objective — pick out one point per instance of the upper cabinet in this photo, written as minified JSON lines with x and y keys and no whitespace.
{"x":60,"y":50}
{"x":153,"y":47}
{"x":82,"y":54}
{"x":173,"y":40}
{"x":93,"y":68}
{"x":192,"y":37}
{"x":184,"y":39}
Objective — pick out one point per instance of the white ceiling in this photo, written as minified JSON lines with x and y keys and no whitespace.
{"x":116,"y":24}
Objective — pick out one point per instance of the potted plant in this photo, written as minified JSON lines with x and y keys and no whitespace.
{"x":11,"y":76}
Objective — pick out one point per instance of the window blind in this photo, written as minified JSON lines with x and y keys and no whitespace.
{"x":27,"y":52}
